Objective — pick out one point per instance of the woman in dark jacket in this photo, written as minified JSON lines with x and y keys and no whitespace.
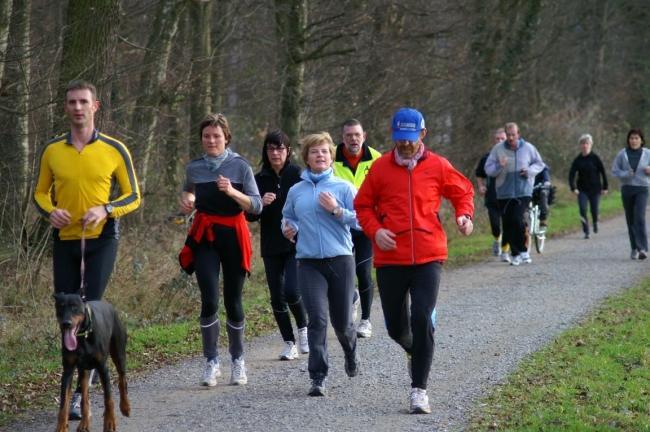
{"x":589,"y":170}
{"x":275,"y":178}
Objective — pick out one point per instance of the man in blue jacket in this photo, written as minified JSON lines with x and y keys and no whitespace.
{"x":514,"y":164}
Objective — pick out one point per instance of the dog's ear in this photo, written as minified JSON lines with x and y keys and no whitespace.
{"x":57,"y":296}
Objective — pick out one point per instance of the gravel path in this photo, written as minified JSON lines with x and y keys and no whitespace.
{"x":490,"y":316}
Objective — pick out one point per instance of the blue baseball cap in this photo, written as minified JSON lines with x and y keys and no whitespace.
{"x":407,"y":124}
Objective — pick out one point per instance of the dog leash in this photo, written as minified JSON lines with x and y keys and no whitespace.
{"x":82,"y":269}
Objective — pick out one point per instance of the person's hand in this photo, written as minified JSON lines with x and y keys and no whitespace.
{"x":327,"y":201}
{"x":224,"y":185}
{"x":93,"y":216}
{"x":503,"y":161}
{"x":60,"y":218}
{"x":482,"y":190}
{"x":385,"y":239}
{"x":523,"y":172}
{"x":187,"y":203}
{"x":647,"y":170}
{"x":605,"y":191}
{"x":465,"y":225}
{"x":289,"y":232}
{"x":268,"y":198}
{"x":576,"y":191}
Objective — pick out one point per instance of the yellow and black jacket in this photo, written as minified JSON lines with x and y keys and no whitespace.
{"x":78,"y":180}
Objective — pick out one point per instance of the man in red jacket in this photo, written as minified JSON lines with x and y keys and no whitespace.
{"x":397,"y":207}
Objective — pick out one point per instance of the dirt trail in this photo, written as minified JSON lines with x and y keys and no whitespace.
{"x":490,"y":316}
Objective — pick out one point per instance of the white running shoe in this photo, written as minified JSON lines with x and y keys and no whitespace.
{"x":419,"y":401}
{"x":364,"y":330}
{"x":355,"y":309}
{"x":289,"y":352}
{"x":303,"y":341}
{"x":505,"y":257}
{"x":238,"y":372}
{"x":516,"y":260}
{"x":210,"y":373}
{"x":525,"y":258}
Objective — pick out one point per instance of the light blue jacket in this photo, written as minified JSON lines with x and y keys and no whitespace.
{"x":320,"y":234}
{"x":508,"y":183}
{"x":621,"y":168}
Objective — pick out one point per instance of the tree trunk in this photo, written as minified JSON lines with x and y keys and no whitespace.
{"x":21,"y":124}
{"x":200,"y":90}
{"x":89,"y":42}
{"x":152,"y":78}
{"x":291,"y":18}
{"x":5,"y":21}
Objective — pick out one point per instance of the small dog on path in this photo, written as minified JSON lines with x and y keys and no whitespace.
{"x":90,"y":331}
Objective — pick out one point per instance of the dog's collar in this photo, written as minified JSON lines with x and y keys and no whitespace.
{"x":88,"y":322}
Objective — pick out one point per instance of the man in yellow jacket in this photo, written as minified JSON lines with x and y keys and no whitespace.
{"x":352,"y":163}
{"x":75,"y":192}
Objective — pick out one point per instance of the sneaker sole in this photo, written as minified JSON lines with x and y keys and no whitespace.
{"x":420,"y":410}
{"x":209,"y":384}
{"x":317,"y":391}
{"x":287,"y":358}
{"x":364,"y":335}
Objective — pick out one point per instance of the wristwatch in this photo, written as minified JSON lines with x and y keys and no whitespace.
{"x":336,"y":210}
{"x":109,"y":208}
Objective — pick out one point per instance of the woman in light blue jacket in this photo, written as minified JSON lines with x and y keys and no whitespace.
{"x":318,"y":215}
{"x":632,"y":167}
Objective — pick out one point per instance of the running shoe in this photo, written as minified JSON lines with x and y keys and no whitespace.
{"x":634,"y":254}
{"x":75,"y":407}
{"x":516,"y":260}
{"x":643,"y":255}
{"x":303,"y":341}
{"x":496,"y":247}
{"x":364,"y":329}
{"x":238,"y":372}
{"x":289,"y":352}
{"x":419,"y":401}
{"x":317,"y":387}
{"x":352,"y":364}
{"x":505,"y":257}
{"x":210,"y":373}
{"x":525,"y":258}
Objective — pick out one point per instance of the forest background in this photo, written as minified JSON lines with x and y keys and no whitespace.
{"x":557,"y":68}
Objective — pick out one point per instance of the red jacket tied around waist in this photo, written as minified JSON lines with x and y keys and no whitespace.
{"x":201,"y":230}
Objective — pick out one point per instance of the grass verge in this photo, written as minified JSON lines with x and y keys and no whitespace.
{"x":595,"y":377}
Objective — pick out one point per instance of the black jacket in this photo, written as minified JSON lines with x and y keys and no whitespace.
{"x":272,"y":241}
{"x":589,"y":170}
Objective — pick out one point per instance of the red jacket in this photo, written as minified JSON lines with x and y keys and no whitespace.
{"x":407,"y":204}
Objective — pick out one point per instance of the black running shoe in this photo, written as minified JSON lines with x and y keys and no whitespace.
{"x":352,"y":364}
{"x":317,"y":387}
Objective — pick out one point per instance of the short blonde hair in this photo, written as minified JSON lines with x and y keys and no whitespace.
{"x":313,"y":140}
{"x":585,"y":138}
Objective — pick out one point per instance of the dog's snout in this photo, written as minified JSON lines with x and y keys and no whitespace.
{"x":66,"y":323}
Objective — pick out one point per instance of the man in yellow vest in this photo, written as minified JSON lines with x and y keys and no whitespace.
{"x":352,"y":163}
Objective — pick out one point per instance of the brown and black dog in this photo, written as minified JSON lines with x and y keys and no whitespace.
{"x":90,"y":331}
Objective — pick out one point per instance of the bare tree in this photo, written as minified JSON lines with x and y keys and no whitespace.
{"x":200,"y":79}
{"x":5,"y":20}
{"x":89,"y":42}
{"x":152,"y":79}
